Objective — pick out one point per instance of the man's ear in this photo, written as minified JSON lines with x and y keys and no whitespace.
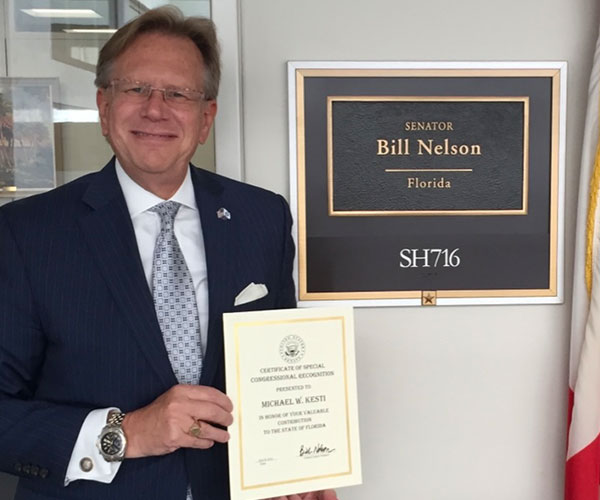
{"x":208,"y":115}
{"x":103,"y":103}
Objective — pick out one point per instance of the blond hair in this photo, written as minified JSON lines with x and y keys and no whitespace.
{"x":168,"y":20}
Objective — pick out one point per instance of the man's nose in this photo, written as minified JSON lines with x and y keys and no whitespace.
{"x":156,"y":106}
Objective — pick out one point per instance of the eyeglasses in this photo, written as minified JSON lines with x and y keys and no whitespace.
{"x":139,"y":92}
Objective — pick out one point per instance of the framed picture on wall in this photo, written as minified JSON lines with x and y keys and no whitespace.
{"x":424,"y":183}
{"x":27,"y":160}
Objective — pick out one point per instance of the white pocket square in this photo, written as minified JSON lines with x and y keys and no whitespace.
{"x":252,"y":292}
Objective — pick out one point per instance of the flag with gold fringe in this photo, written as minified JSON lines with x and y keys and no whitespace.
{"x":583,"y":451}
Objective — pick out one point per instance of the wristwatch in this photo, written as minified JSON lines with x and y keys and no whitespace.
{"x":111,"y":441}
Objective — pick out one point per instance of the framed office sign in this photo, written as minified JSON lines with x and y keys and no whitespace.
{"x":428,"y":183}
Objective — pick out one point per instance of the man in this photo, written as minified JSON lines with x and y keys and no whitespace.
{"x":104,"y":392}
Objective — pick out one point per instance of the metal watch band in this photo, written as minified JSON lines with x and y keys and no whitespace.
{"x":115,"y":418}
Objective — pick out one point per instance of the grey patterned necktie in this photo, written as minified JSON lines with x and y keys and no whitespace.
{"x":175,"y":299}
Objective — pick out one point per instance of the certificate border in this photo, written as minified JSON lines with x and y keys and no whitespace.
{"x":245,"y":324}
{"x":298,"y":70}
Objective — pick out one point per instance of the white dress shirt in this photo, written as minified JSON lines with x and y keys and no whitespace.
{"x":146,"y":226}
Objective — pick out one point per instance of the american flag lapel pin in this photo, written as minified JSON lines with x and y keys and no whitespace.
{"x":223,"y":214}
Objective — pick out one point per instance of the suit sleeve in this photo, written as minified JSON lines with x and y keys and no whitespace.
{"x":36,"y":436}
{"x":286,"y":297}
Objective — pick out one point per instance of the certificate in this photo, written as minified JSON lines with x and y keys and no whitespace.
{"x":292,"y":379}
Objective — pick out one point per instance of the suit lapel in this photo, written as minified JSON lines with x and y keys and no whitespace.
{"x":111,"y":238}
{"x":219,"y":245}
{"x":109,"y":233}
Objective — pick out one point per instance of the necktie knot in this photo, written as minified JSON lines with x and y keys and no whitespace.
{"x":167,"y":210}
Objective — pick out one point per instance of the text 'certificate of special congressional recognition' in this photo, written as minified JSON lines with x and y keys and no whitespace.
{"x":291,"y":376}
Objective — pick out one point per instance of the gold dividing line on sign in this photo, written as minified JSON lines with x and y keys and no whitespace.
{"x":429,"y":170}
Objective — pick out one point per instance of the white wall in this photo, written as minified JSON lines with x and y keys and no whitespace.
{"x":456,"y":403}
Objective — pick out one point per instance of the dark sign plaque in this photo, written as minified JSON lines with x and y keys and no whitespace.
{"x":428,"y":185}
{"x":440,"y":155}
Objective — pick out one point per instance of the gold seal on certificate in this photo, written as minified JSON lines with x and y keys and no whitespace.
{"x":292,"y":379}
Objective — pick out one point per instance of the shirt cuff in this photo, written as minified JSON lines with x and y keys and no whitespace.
{"x":86,"y":461}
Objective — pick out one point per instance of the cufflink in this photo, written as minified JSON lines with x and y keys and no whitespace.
{"x":86,"y":464}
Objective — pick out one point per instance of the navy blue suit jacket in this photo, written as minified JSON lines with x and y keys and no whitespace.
{"x":78,"y":329}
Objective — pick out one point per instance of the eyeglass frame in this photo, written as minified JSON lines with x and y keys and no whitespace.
{"x":164,"y":91}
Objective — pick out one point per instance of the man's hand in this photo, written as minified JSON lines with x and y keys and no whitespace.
{"x":163,"y":426}
{"x":313,"y":495}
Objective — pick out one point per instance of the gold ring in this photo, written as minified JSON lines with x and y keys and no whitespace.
{"x":196,"y":429}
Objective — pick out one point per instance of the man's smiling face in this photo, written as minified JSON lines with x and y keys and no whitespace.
{"x":154,"y":139}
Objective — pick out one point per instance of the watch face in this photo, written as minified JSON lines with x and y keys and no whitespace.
{"x":111,"y":443}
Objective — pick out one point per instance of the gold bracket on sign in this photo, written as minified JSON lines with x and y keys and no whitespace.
{"x":428,"y":297}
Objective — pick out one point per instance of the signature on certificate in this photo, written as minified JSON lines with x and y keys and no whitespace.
{"x":318,"y":450}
